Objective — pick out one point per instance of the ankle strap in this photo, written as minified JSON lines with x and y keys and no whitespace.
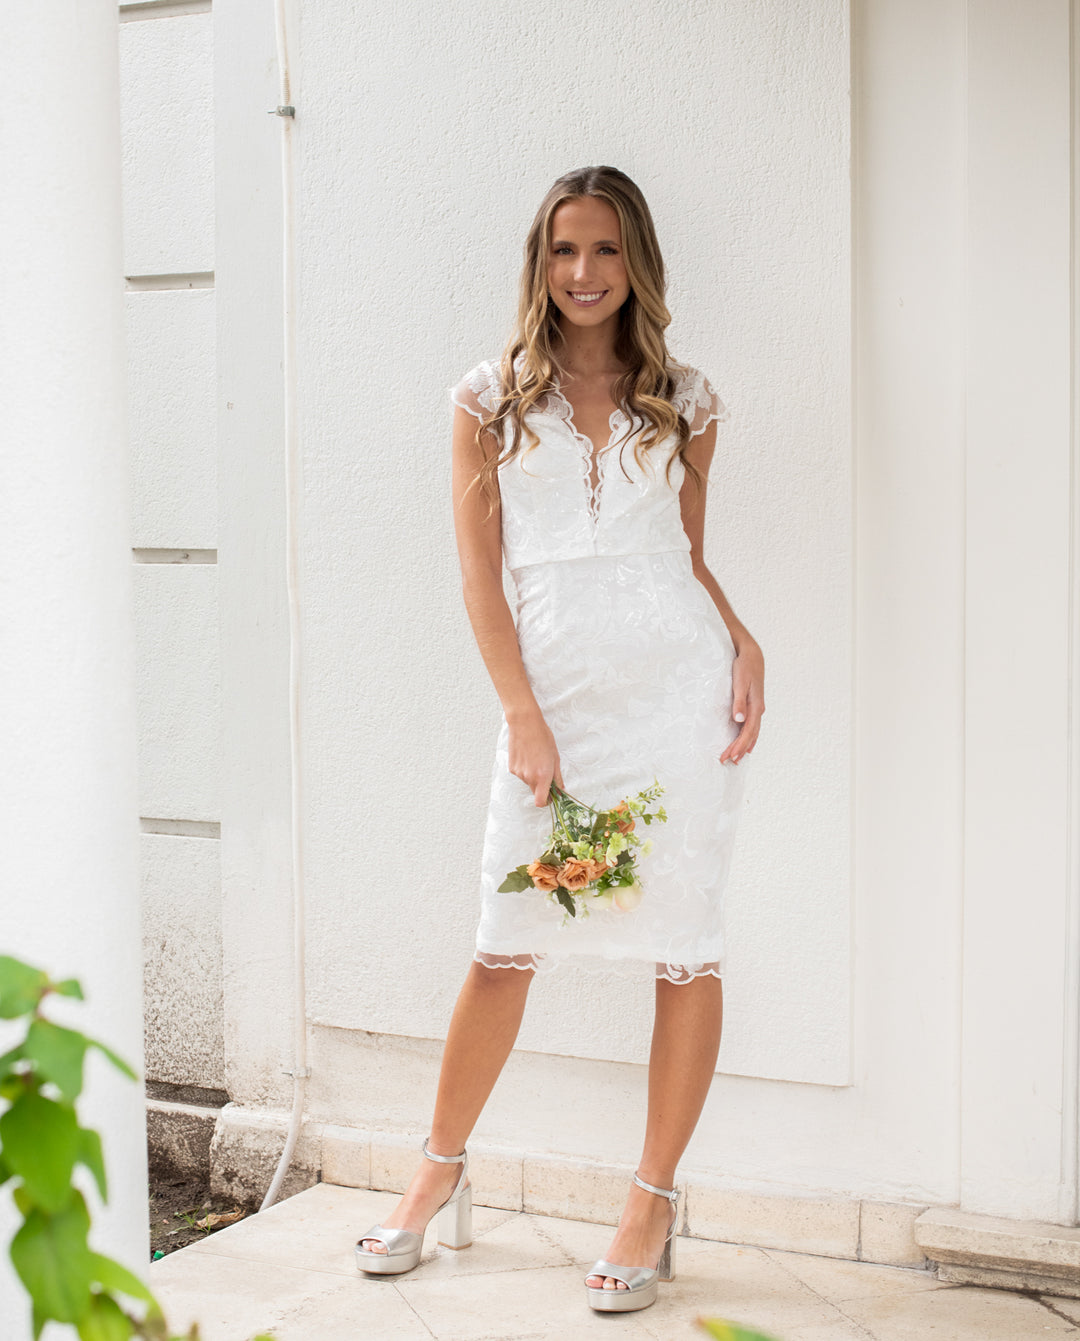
{"x":672,"y":1193}
{"x":444,"y":1159}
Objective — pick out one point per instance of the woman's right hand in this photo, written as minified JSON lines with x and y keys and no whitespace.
{"x":534,"y":756}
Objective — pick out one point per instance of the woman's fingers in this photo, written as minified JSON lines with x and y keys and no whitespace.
{"x":745,"y":741}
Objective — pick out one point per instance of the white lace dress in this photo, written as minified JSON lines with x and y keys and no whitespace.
{"x":630,"y":662}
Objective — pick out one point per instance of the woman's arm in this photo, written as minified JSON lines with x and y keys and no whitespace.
{"x":533,"y":755}
{"x":748,"y":670}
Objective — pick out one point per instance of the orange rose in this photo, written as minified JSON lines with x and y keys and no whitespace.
{"x":574,"y":874}
{"x":544,"y":876}
{"x":596,"y":869}
{"x":623,"y":826}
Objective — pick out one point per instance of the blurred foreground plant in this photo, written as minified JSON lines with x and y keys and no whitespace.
{"x":41,"y":1142}
{"x":722,"y":1330}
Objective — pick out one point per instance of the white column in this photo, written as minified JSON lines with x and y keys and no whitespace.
{"x":68,"y":811}
{"x":1017,"y":1001}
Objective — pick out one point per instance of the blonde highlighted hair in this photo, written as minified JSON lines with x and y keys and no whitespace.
{"x":530,"y":363}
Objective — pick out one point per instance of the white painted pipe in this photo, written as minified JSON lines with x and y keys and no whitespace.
{"x":300,"y":1070}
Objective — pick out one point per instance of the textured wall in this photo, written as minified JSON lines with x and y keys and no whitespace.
{"x":426,"y":136}
{"x":168,"y":138}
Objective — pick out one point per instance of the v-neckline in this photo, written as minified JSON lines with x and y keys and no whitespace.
{"x":592,"y":456}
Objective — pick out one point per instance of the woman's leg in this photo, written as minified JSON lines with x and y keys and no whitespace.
{"x":482,"y":1031}
{"x":685,"y":1044}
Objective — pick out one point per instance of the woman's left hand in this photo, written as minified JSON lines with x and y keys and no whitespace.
{"x":748,"y":698}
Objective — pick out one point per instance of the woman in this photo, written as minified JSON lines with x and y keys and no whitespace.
{"x":626,"y":665}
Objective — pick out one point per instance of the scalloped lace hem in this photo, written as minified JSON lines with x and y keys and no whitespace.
{"x":718,"y":416}
{"x":460,"y":401}
{"x":543,"y":963}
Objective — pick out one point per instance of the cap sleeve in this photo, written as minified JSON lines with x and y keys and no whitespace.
{"x":697,"y":401}
{"x":478,"y":391}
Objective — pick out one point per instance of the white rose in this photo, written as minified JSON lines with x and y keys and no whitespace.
{"x":627,"y":897}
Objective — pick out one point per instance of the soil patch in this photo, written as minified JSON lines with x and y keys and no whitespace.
{"x":182,"y":1211}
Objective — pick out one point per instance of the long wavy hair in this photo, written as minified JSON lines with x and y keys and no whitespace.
{"x":530,"y":364}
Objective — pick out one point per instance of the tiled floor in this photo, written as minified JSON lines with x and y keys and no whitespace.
{"x":291,"y":1271}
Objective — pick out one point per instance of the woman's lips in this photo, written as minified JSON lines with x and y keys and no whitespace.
{"x":588,"y":297}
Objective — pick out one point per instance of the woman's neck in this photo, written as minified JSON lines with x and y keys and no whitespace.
{"x":589,"y":351}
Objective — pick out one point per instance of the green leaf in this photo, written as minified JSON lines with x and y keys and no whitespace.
{"x":57,"y":1054}
{"x":105,"y":1321}
{"x":8,"y":1060}
{"x":69,"y":987}
{"x":723,"y":1330}
{"x":111,"y":1276}
{"x":40,"y":1140}
{"x":90,"y":1155}
{"x":50,"y":1255}
{"x":12,"y":1087}
{"x":21,"y":987}
{"x":118,"y":1062}
{"x":563,"y":895}
{"x":515,"y":881}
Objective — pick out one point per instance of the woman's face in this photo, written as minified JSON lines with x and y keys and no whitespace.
{"x":586,"y":274}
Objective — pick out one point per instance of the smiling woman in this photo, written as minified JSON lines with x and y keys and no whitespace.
{"x":623,"y":664}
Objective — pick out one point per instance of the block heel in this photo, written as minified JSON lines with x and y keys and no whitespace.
{"x":404,"y":1247}
{"x":641,"y":1282}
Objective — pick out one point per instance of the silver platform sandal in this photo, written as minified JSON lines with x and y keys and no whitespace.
{"x":404,"y":1246}
{"x":641,"y":1282}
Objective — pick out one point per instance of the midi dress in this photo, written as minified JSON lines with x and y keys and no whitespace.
{"x":630,"y":662}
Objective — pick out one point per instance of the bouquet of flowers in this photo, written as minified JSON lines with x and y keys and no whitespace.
{"x":590,"y":858}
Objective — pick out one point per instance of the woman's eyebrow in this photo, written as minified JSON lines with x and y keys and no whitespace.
{"x":603,"y":242}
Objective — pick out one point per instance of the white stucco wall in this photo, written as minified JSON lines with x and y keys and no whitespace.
{"x":893,"y":1027}
{"x":167,"y":120}
{"x":426,"y":136}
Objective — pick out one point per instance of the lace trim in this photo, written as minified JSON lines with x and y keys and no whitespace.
{"x":542,"y":963}
{"x":557,"y":404}
{"x":694,"y":398}
{"x":697,"y":401}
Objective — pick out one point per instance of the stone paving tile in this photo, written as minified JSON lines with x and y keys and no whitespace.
{"x":234,"y":1299}
{"x":743,"y":1284}
{"x":839,"y":1278}
{"x":318,"y":1229}
{"x":958,"y":1313}
{"x":291,"y":1270}
{"x":546,"y":1302}
{"x":1063,"y":1303}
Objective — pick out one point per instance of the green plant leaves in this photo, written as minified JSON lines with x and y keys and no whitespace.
{"x":118,"y":1062}
{"x":105,"y":1321}
{"x":111,"y":1275}
{"x":50,"y":1255}
{"x":722,"y":1330}
{"x":57,"y":1054}
{"x":21,"y":987}
{"x":41,"y":1142}
{"x":517,"y":880}
{"x":90,"y":1155}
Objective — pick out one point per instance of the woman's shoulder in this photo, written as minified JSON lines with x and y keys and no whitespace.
{"x":695,"y":397}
